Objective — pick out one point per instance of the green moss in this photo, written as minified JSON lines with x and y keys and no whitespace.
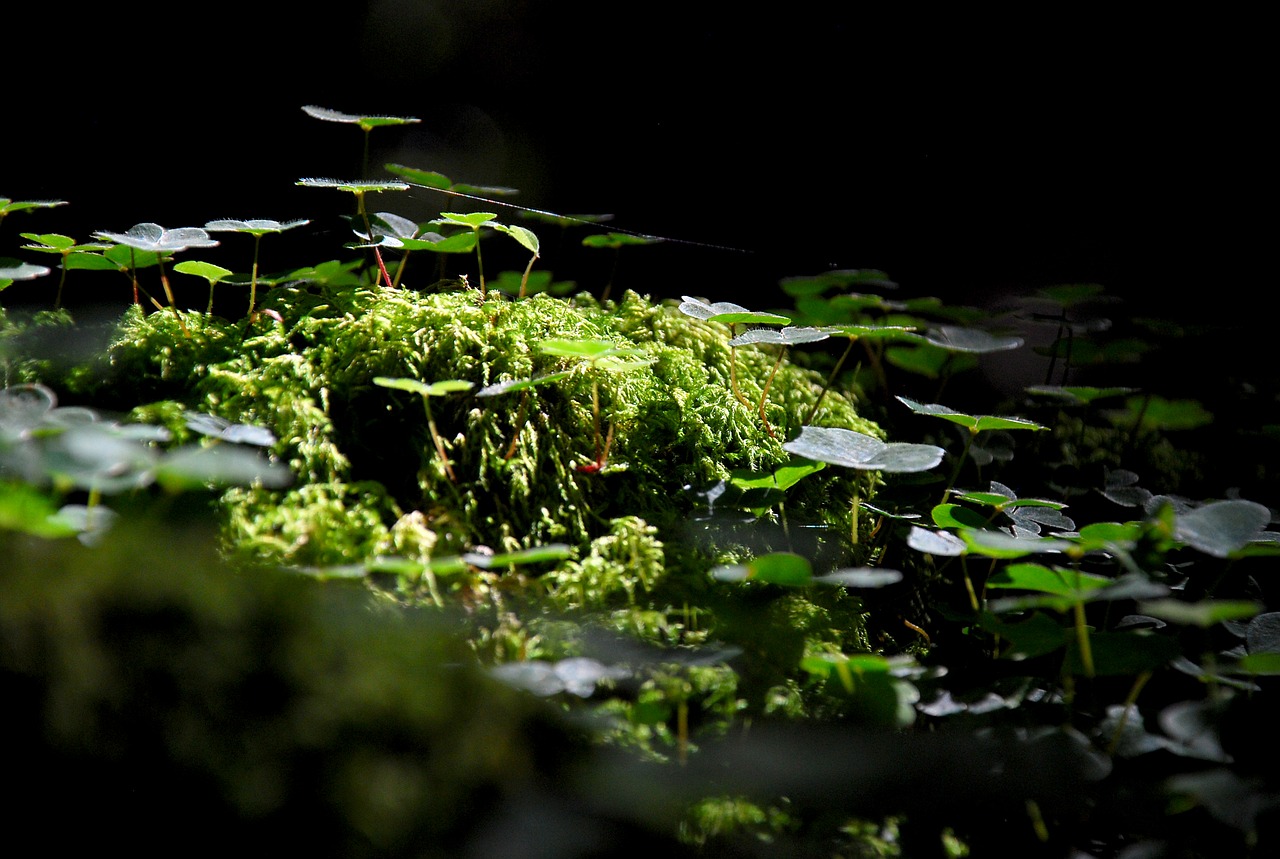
{"x":676,"y":423}
{"x":370,"y":482}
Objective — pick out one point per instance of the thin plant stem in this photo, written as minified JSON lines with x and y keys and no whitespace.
{"x":1130,"y":700}
{"x":955,"y":474}
{"x":519,"y":425}
{"x":484,"y":292}
{"x":764,"y":393}
{"x":733,"y":368}
{"x":1082,"y":639}
{"x":368,"y":230}
{"x":830,"y":380}
{"x":253,"y":277}
{"x":595,"y":416}
{"x":173,"y":304}
{"x":435,"y":437}
{"x":524,"y":281}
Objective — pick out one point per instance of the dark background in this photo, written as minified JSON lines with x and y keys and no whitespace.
{"x":970,"y":157}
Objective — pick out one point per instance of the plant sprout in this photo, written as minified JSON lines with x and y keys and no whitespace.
{"x":360,"y":189}
{"x":616,"y":241}
{"x":597,"y":355}
{"x":435,"y":389}
{"x":733,"y":315}
{"x":473,"y":221}
{"x":394,"y":231}
{"x":119,"y":258}
{"x":163,"y":243}
{"x":214,"y":274}
{"x":852,"y":449}
{"x":973,"y":423}
{"x":64,"y":246}
{"x":256,"y":228}
{"x":785,"y":337}
{"x":366,"y":123}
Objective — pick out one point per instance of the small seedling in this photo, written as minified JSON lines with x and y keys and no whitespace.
{"x":473,"y":221}
{"x":360,"y":189}
{"x":214,"y":274}
{"x":257,"y":229}
{"x":594,"y":355}
{"x":393,"y":231}
{"x":163,"y":243}
{"x":598,"y":355}
{"x":366,"y":123}
{"x":435,"y":389}
{"x":616,"y":241}
{"x":64,"y":246}
{"x":973,"y":423}
{"x":733,"y":315}
{"x":785,"y":337}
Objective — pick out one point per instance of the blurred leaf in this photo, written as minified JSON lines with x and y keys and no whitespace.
{"x":1202,"y":613}
{"x":1222,"y":527}
{"x":857,"y":450}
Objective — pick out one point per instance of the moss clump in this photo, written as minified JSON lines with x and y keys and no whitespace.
{"x":519,"y":456}
{"x":371,"y":483}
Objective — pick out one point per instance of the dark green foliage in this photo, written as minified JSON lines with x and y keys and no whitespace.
{"x":176,"y":704}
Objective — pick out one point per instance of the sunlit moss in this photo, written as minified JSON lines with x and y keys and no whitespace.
{"x":519,"y":456}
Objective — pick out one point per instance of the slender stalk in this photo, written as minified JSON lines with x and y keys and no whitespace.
{"x":764,"y":394}
{"x":168,"y":291}
{"x":253,"y":277}
{"x":733,"y":368}
{"x":1082,"y":640}
{"x":1132,"y":698}
{"x":595,"y":416}
{"x":484,"y":292}
{"x":830,"y":380}
{"x":439,"y":442}
{"x":524,"y":281}
{"x":519,"y":425}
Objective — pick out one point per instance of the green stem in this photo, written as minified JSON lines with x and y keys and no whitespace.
{"x":764,"y":393}
{"x":484,"y":292}
{"x":524,"y":281}
{"x":955,"y":474}
{"x":1082,"y":640}
{"x":253,"y":279}
{"x":1129,"y":701}
{"x":439,"y":442}
{"x":168,"y":291}
{"x":830,"y":379}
